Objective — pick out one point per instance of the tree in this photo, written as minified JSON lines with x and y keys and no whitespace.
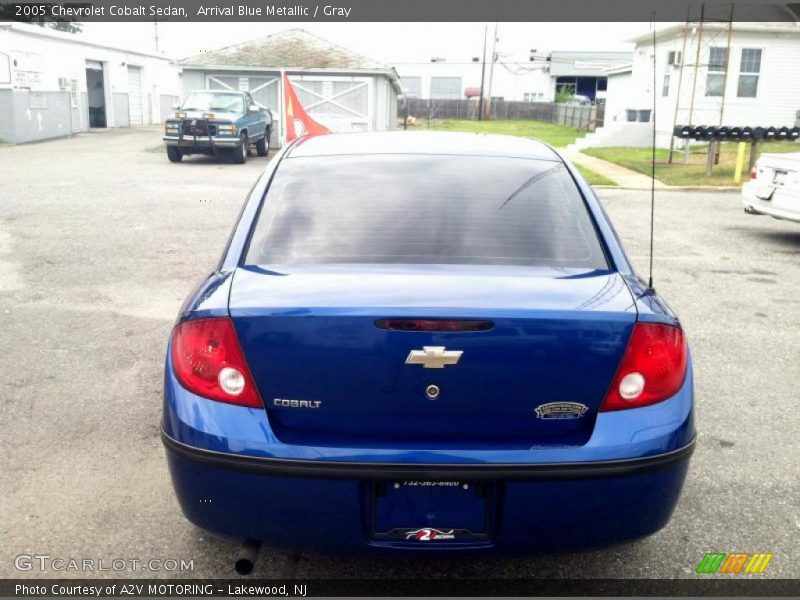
{"x":67,"y":26}
{"x":563,"y":94}
{"x":7,"y":13}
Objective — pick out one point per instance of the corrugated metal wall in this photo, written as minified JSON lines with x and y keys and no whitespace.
{"x":31,"y":116}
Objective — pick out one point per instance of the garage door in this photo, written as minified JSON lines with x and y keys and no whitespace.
{"x":263,"y":89}
{"x":340,"y":103}
{"x":135,"y":104}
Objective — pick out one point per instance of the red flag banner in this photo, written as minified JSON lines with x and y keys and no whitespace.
{"x":298,"y":123}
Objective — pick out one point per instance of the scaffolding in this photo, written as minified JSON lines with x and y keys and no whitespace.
{"x":699,"y":37}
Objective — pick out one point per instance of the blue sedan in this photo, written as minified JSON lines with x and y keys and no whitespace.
{"x":426,"y":341}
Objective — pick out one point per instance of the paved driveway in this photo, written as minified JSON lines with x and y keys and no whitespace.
{"x":100,"y":240}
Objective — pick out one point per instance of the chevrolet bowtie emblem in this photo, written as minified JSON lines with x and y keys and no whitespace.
{"x":433,"y":357}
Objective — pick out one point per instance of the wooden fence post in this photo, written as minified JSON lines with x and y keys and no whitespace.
{"x":753,"y":154}
{"x":710,"y":159}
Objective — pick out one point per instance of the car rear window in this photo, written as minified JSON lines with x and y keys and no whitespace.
{"x":429,"y":209}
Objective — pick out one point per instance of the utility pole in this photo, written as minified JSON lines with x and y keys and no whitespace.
{"x":488,"y":106}
{"x":718,"y":143}
{"x":680,"y":82}
{"x":686,"y":149}
{"x":483,"y":73}
{"x":155,"y":33}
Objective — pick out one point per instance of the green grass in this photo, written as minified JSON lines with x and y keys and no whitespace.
{"x":693,"y":174}
{"x":594,"y":178}
{"x":555,"y":135}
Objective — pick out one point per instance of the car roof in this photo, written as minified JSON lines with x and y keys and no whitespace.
{"x":423,"y":142}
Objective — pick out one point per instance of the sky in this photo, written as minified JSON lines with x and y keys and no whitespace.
{"x":392,"y":43}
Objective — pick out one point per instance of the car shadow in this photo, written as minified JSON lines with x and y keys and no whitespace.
{"x":784,"y":241}
{"x":788,"y":240}
{"x":285,"y":563}
{"x":201,"y":159}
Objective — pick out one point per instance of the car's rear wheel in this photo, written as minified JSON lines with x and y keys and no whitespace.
{"x":262,"y":145}
{"x":174,"y":154}
{"x":240,"y":152}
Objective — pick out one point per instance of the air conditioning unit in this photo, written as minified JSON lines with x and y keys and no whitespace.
{"x":674,"y":58}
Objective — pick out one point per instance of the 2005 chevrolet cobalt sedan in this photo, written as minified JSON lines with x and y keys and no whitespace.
{"x":426,"y":341}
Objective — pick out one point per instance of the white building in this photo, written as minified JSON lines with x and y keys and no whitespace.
{"x":533,"y":78}
{"x":443,"y":80}
{"x":619,"y":89}
{"x":584,"y":73}
{"x":55,"y":84}
{"x":702,"y":80}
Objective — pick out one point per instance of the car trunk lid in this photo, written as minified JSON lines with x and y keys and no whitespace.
{"x":330,"y":374}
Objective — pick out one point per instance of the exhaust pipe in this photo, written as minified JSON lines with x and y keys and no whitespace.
{"x":246,"y":559}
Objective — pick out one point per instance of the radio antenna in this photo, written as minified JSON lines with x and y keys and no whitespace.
{"x":653,"y":163}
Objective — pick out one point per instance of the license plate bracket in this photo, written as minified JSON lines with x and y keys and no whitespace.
{"x":766,"y":192}
{"x":429,"y":511}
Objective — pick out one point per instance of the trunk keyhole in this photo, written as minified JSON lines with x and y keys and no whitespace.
{"x":432,"y":392}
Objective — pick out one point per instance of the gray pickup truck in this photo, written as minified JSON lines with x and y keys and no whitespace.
{"x":220,"y":123}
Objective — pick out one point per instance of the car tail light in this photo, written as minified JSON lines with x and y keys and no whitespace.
{"x":652,"y":369}
{"x":208,"y":361}
{"x":753,"y":173}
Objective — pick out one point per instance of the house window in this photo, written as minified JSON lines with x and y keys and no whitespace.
{"x":665,"y":86}
{"x":749,"y":70}
{"x":717,"y":65}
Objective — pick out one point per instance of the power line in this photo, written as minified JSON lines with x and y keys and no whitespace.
{"x":545,"y":59}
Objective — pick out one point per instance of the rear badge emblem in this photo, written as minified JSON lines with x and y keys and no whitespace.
{"x":561,"y":410}
{"x":433,"y":357}
{"x":291,"y":403}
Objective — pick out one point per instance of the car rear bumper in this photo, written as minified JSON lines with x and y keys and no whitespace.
{"x":783,"y":204}
{"x":378,"y":471}
{"x":305,"y":504}
{"x":234,"y":477}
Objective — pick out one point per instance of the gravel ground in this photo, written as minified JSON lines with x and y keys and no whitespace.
{"x":100,"y":240}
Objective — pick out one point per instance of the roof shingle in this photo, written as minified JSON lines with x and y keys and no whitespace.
{"x":290,"y":49}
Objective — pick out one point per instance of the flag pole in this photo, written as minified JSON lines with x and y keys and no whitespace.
{"x":282,"y":99}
